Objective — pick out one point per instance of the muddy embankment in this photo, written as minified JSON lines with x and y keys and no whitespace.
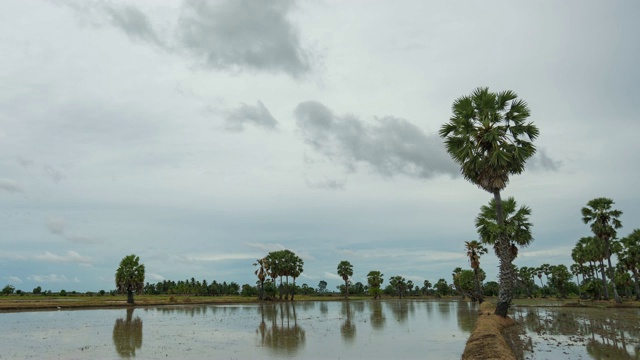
{"x":487,"y":340}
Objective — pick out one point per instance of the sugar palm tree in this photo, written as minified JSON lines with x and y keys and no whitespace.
{"x":604,"y":222}
{"x":261,"y":272}
{"x":374,"y":279}
{"x":515,"y":231}
{"x":474,"y":250}
{"x":345,"y":270}
{"x":629,"y":255}
{"x":489,"y":138}
{"x":130,"y":276}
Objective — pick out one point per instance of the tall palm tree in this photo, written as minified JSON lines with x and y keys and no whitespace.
{"x":489,"y":138}
{"x":514,"y":231}
{"x":474,"y":250}
{"x":262,"y":274}
{"x":345,"y":270}
{"x":604,"y":223}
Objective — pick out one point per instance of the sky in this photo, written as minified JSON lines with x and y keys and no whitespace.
{"x":201,"y":135}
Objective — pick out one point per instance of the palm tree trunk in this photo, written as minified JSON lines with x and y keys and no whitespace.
{"x":637,"y":285}
{"x":506,"y":276}
{"x":129,"y":296}
{"x":478,"y":290}
{"x":611,"y":277}
{"x":604,"y":280}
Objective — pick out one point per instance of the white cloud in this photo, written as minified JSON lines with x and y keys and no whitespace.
{"x":51,"y":278}
{"x":69,"y":257}
{"x":14,"y":279}
{"x":10,"y":186}
{"x":154,"y":277}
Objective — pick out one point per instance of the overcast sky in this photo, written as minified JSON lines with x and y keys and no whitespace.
{"x":200,"y":135}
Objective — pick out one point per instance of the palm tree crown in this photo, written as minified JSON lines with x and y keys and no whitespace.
{"x":488,"y":137}
{"x":517,"y":227}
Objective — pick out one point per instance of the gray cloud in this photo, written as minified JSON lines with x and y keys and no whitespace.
{"x":58,"y":226}
{"x":541,"y":161}
{"x":232,"y":34}
{"x":257,"y":115}
{"x":390,"y":146}
{"x":223,"y":34}
{"x":133,"y":22}
{"x":10,"y":186}
{"x":52,"y":173}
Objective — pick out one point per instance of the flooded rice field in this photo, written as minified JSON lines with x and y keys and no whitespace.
{"x":578,"y":333}
{"x":313,"y":330}
{"x":301,"y":330}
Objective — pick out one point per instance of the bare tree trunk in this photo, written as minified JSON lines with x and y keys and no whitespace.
{"x":130,"y":296}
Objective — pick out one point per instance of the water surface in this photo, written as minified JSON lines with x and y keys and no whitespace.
{"x":303,"y":330}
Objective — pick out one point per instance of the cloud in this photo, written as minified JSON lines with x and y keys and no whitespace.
{"x":257,"y":115}
{"x":541,"y":161}
{"x":219,"y":257}
{"x":267,"y":247}
{"x":70,"y":257}
{"x":53,"y":174}
{"x":154,"y":277}
{"x":133,"y":22}
{"x":391,"y":146}
{"x":332,"y":276}
{"x":329,"y":184}
{"x":51,"y":278}
{"x":58,"y":226}
{"x":14,"y":279}
{"x":10,"y":186}
{"x":238,"y":34}
{"x":223,"y":34}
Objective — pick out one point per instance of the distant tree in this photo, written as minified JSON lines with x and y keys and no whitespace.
{"x":426,"y":286}
{"x":130,"y":276}
{"x":8,"y":290}
{"x":489,"y":138}
{"x":491,"y":288}
{"x":466,"y":284}
{"x":442,"y":288}
{"x":261,"y":273}
{"x":322,"y":287}
{"x":399,"y":285}
{"x":37,"y":290}
{"x":374,"y":279}
{"x":629,"y":255}
{"x":345,"y":271}
{"x":560,"y":276}
{"x":474,"y":251}
{"x":248,"y":290}
{"x":604,"y":222}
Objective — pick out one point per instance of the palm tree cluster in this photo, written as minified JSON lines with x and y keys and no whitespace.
{"x":278,"y":264}
{"x":593,"y":254}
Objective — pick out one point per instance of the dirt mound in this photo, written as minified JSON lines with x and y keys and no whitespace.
{"x":486,"y":341}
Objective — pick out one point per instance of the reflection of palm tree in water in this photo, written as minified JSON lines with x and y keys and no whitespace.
{"x":283,"y":335}
{"x":400,"y":310}
{"x":348,"y":329}
{"x":607,"y":335}
{"x":127,"y":335}
{"x":377,"y":317}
